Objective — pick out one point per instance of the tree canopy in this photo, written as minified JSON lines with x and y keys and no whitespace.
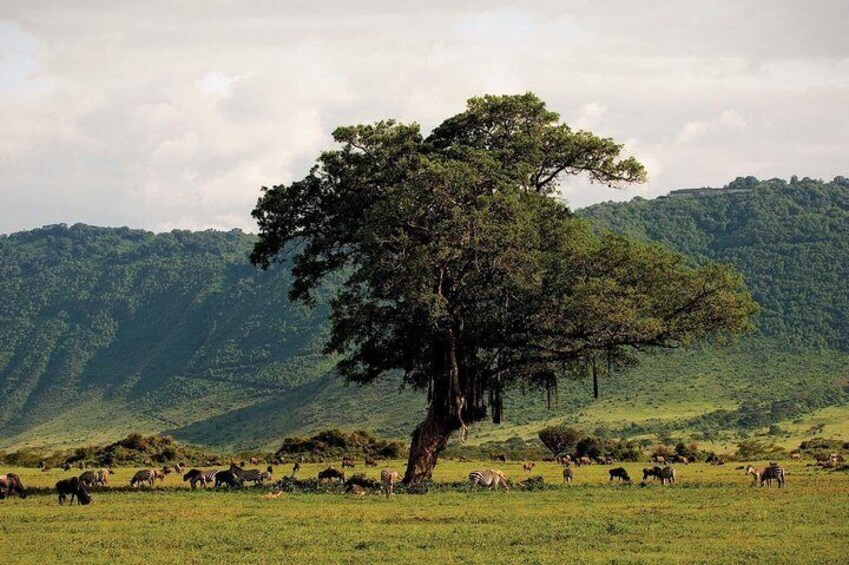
{"x":465,"y":274}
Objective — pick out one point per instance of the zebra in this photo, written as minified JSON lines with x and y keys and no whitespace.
{"x":102,"y":477}
{"x":667,"y":475}
{"x":767,"y":475}
{"x":141,"y":477}
{"x":568,"y":475}
{"x":196,"y":476}
{"x":491,"y":478}
{"x":256,"y":476}
{"x":389,"y":477}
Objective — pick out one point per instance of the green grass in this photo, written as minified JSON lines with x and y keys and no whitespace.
{"x":713,"y":515}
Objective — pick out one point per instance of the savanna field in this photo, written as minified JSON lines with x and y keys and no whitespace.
{"x":713,"y":514}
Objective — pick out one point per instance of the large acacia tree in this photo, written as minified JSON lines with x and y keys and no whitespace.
{"x":464,"y":274}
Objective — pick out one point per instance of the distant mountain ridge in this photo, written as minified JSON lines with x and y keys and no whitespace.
{"x":109,"y":330}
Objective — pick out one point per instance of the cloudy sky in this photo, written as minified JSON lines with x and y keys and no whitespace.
{"x":165,"y":115}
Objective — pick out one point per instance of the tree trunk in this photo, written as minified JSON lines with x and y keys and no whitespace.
{"x":428,"y":441}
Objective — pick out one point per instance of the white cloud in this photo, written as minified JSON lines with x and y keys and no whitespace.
{"x":173,"y":115}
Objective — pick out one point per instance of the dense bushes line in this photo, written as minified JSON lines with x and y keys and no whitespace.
{"x":137,"y":450}
{"x":337,"y":444}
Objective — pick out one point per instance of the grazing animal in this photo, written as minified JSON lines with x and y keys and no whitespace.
{"x":254,"y":460}
{"x":388,"y":477}
{"x":583,"y":461}
{"x":653,"y":472}
{"x":74,"y":487}
{"x":621,"y":474}
{"x":102,"y":477}
{"x":88,"y":479}
{"x":568,"y":475}
{"x":142,"y":477}
{"x":66,"y":466}
{"x":767,"y":475}
{"x":196,"y":476}
{"x":498,"y":457}
{"x":564,"y":459}
{"x":491,"y":478}
{"x":659,"y":459}
{"x":528,"y":466}
{"x":10,"y":483}
{"x":331,"y":473}
{"x":683,"y":459}
{"x":228,"y":478}
{"x":355,"y":489}
{"x":295,"y":468}
{"x":346,"y":462}
{"x":667,"y":475}
{"x":256,"y":476}
{"x":158,"y":474}
{"x":371,"y":462}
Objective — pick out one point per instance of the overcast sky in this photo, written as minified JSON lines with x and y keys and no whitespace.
{"x":165,"y":115}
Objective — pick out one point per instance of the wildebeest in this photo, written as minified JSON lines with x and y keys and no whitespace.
{"x":88,"y":479}
{"x":331,"y":473}
{"x":621,"y":474}
{"x":142,"y":477}
{"x":347,"y":462}
{"x":228,"y":478}
{"x":10,"y":484}
{"x":295,"y":468}
{"x":568,"y":475}
{"x":388,"y":477}
{"x":491,"y":478}
{"x":498,"y":457}
{"x":371,"y":462}
{"x":355,"y":489}
{"x":653,"y":472}
{"x":74,"y":487}
{"x":66,"y":466}
{"x":528,"y":466}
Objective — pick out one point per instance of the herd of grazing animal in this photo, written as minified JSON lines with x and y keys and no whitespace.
{"x":79,"y":488}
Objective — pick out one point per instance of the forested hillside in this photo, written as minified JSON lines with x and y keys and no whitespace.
{"x":106,"y":331}
{"x":791,"y":241}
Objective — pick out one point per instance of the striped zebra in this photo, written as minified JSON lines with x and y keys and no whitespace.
{"x":491,"y":478}
{"x":667,"y":475}
{"x":389,"y":477}
{"x":774,"y":472}
{"x":141,"y":477}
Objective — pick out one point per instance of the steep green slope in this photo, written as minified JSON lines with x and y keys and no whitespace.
{"x":107,"y":331}
{"x":791,"y":241}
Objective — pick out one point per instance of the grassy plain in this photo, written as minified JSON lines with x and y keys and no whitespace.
{"x":714,"y":515}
